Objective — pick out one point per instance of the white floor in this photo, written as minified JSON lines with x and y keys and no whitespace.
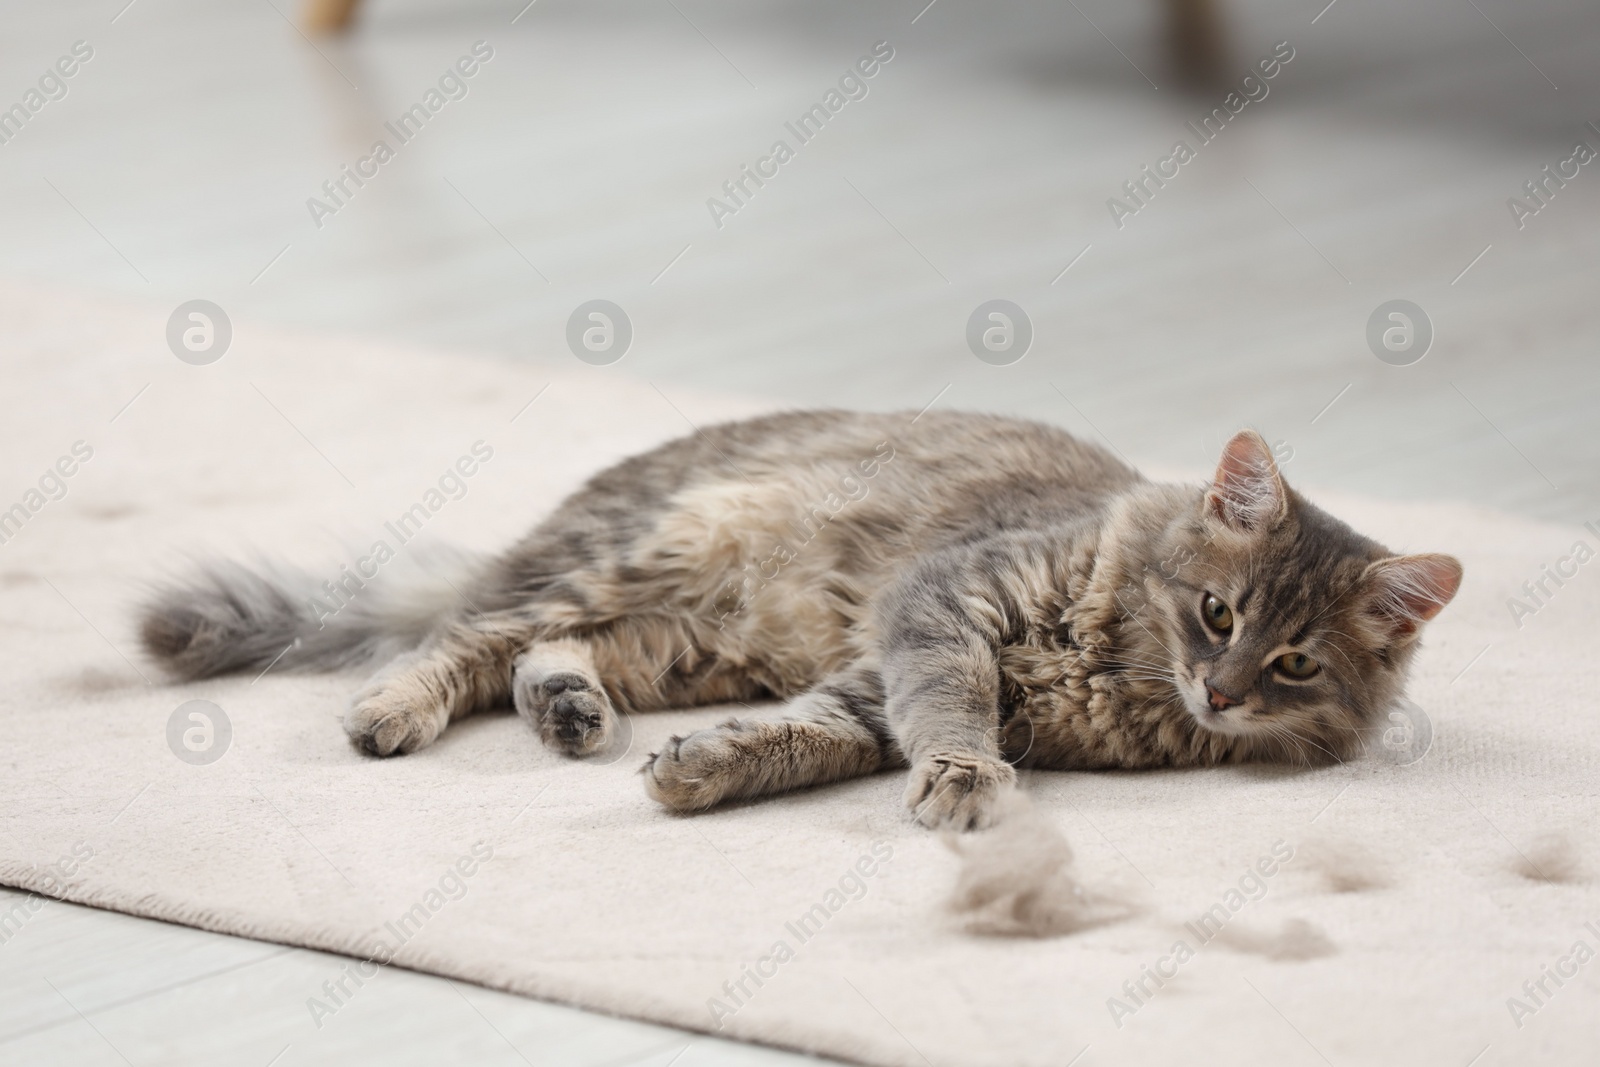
{"x":135,"y":991}
{"x":179,"y":163}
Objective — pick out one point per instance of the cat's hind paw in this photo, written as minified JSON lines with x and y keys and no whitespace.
{"x":567,"y":706}
{"x":958,"y":791}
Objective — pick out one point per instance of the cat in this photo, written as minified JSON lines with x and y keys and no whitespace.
{"x":954,"y":594}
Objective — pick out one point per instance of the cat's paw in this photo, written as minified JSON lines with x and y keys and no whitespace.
{"x":958,"y":790}
{"x":568,"y":708}
{"x":389,"y":716}
{"x":692,"y":773}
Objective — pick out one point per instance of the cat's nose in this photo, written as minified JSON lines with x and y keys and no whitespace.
{"x":1219,"y":701}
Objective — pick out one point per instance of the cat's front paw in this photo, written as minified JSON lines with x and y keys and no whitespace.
{"x":959,"y":791}
{"x":695,"y":772}
{"x":390,"y":716}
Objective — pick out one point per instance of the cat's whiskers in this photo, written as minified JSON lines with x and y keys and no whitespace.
{"x":1316,"y":722}
{"x":1300,"y":738}
{"x":1279,"y":732}
{"x":1153,"y":670}
{"x":1158,"y":679}
{"x":1138,"y":655}
{"x":1149,"y":665}
{"x":1355,"y":733}
{"x":1158,"y":664}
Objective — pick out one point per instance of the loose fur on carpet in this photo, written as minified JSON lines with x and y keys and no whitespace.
{"x":1018,"y":880}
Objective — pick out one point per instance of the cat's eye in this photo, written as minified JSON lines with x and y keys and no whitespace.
{"x":1296,"y":665}
{"x":1218,"y":615}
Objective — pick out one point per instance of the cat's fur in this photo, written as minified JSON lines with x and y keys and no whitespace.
{"x":952,"y":593}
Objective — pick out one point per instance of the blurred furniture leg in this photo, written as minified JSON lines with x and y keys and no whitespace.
{"x":329,"y":16}
{"x":1195,"y":45}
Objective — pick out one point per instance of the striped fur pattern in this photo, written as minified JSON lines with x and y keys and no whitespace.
{"x":953,"y":594}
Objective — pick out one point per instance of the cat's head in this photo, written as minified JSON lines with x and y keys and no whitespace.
{"x":1282,"y":623}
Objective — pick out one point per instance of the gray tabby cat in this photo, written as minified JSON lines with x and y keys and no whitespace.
{"x":957,"y":594}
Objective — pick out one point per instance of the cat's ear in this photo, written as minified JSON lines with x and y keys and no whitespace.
{"x":1247,"y":492}
{"x":1406,"y":591}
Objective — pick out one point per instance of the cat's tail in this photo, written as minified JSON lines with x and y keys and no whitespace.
{"x":224,"y":617}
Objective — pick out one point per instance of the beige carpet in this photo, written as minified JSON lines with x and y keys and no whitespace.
{"x":1463,"y":873}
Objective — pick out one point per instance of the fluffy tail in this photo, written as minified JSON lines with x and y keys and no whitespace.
{"x":226,"y":617}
